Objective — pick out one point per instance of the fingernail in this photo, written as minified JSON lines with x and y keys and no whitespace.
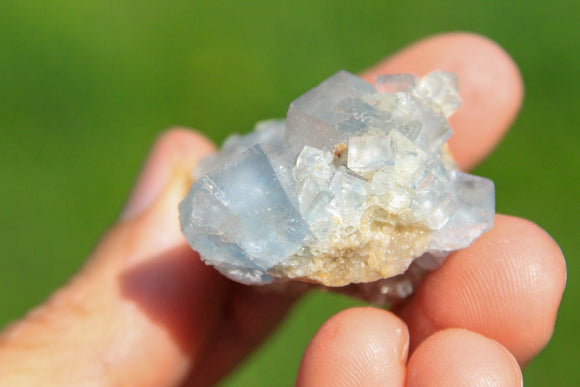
{"x":176,"y":150}
{"x":148,"y":187}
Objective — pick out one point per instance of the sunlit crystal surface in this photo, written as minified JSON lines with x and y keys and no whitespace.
{"x":354,"y":186}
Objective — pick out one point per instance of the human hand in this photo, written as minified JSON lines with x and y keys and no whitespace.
{"x":144,"y":311}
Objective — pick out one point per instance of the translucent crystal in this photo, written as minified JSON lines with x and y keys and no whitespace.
{"x":314,"y":118}
{"x":370,"y":153}
{"x":392,"y":83}
{"x":440,"y":90}
{"x":265,"y":225}
{"x":265,"y":132}
{"x":349,"y":195}
{"x":355,"y":186}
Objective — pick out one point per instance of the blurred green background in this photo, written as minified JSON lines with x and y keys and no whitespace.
{"x":86,"y":86}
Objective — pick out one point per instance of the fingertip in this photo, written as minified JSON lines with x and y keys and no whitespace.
{"x":507,"y":286}
{"x":491,"y":87}
{"x":537,"y":280}
{"x":175,"y":148}
{"x":457,"y":357}
{"x":357,"y":347}
{"x":492,"y":92}
{"x":191,"y":143}
{"x":520,"y":288}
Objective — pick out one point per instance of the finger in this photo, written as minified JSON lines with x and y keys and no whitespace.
{"x":134,"y":315}
{"x":490,"y":86}
{"x":457,"y":357}
{"x":250,"y":315}
{"x":357,"y":347}
{"x":178,"y":147}
{"x":507,"y":286}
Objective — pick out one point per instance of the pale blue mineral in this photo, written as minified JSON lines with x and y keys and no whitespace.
{"x":353,"y":187}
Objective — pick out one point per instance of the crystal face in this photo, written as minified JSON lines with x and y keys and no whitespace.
{"x":354,"y":186}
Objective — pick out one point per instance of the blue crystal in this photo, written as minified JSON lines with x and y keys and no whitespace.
{"x":352,"y":187}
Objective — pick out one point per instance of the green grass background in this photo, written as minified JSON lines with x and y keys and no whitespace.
{"x":86,"y":86}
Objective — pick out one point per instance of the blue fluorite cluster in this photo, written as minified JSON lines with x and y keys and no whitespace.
{"x":354,"y":186}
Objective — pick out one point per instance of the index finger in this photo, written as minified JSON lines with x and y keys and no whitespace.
{"x":490,"y":84}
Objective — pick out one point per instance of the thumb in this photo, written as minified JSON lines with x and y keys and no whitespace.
{"x":134,"y":315}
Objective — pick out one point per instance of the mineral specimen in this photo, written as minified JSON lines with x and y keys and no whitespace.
{"x":353,"y":187}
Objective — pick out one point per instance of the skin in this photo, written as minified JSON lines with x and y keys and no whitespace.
{"x":144,"y":310}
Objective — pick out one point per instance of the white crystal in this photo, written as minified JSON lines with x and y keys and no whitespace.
{"x":315,"y":163}
{"x":440,"y":90}
{"x":354,"y":187}
{"x":370,"y":153}
{"x":392,"y":83}
{"x":349,"y":196}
